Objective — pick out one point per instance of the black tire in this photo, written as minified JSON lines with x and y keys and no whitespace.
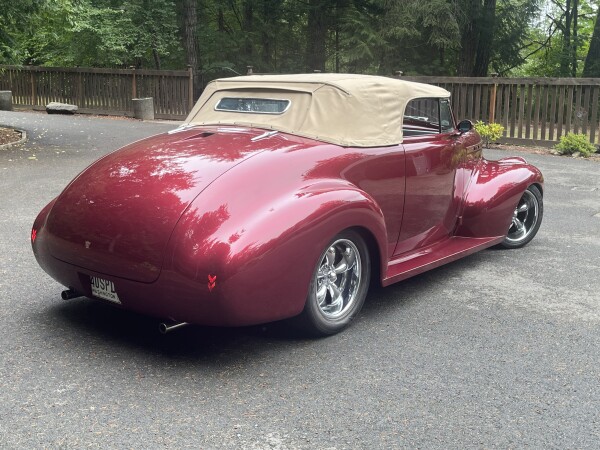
{"x":324,"y":315}
{"x":527,"y":219}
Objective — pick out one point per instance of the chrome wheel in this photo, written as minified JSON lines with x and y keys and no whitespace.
{"x":526,"y":219}
{"x":338,"y":286}
{"x":338,"y":278}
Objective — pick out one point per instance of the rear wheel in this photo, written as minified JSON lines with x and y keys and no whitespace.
{"x":526,"y":219}
{"x":338,"y":287}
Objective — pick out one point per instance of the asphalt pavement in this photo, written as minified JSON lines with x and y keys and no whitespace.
{"x":498,"y":350}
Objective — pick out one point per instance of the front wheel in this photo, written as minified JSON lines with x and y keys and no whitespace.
{"x":526,"y":219}
{"x":338,"y":287}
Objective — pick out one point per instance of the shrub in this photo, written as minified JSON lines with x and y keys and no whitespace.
{"x":489,"y":132}
{"x":575,"y":143}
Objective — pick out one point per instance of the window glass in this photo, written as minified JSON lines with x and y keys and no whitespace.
{"x":253,"y":105}
{"x":422,"y":117}
{"x":446,"y":122}
{"x":427,"y":116}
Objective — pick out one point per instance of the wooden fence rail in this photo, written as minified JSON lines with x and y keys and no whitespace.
{"x":532,"y":110}
{"x":100,"y":91}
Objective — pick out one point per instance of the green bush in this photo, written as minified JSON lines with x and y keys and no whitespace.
{"x":489,"y":132}
{"x":573,"y":143}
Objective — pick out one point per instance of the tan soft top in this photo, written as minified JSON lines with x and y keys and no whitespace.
{"x":343,"y":109}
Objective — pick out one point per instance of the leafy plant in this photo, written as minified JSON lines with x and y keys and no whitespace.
{"x":575,"y":143}
{"x":490,"y":132}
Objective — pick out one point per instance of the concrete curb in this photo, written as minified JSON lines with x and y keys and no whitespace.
{"x":20,"y":141}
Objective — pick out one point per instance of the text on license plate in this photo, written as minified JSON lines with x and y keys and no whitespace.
{"x":104,"y":289}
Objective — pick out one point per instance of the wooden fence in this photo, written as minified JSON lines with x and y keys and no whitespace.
{"x":100,"y":91}
{"x":532,"y":110}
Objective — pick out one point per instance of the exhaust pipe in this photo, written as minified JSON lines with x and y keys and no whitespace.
{"x":165,"y":328}
{"x":69,"y":294}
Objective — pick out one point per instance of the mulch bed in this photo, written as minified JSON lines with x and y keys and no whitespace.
{"x":513,"y":150}
{"x":8,"y":136}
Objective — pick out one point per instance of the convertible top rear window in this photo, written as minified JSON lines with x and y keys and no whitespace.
{"x":253,"y":105}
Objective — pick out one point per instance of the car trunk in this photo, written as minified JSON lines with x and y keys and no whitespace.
{"x":117,"y":216}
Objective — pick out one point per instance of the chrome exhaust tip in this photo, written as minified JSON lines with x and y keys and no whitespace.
{"x":165,"y":328}
{"x":69,"y":294}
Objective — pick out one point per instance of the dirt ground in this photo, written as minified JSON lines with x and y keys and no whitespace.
{"x":8,"y":135}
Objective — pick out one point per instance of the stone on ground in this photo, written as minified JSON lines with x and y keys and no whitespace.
{"x":60,"y":108}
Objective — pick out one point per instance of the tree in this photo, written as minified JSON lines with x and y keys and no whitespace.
{"x":559,"y":43}
{"x":101,"y":33}
{"x":219,"y":38}
{"x":486,"y":27}
{"x":592,"y":60}
{"x":493,"y":32}
{"x":15,"y":20}
{"x":417,"y":37}
{"x":154,"y":29}
{"x":511,"y":46}
{"x":316,"y":34}
{"x":190,"y":42}
{"x":568,"y":27}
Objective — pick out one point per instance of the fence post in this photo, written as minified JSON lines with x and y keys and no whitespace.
{"x":190,"y":88}
{"x":33,"y":93}
{"x":493,"y":100}
{"x":80,"y":90}
{"x":133,"y":84}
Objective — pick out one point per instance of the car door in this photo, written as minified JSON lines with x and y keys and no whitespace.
{"x":433,"y":193}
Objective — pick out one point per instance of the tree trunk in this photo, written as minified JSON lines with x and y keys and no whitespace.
{"x":221,"y":20}
{"x":565,"y":58}
{"x":248,"y":29}
{"x":270,"y":12}
{"x":156,"y":57}
{"x":468,"y":50}
{"x":591,"y":67}
{"x":486,"y":26}
{"x":574,"y":42}
{"x":190,"y":22}
{"x":316,"y":36}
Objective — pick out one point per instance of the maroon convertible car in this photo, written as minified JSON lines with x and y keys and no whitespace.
{"x":280,"y":197}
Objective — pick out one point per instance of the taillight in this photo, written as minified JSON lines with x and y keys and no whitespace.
{"x":212,"y":282}
{"x":33,"y":235}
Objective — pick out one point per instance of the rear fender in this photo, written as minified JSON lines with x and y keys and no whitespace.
{"x":492,"y":195}
{"x":264,"y":260}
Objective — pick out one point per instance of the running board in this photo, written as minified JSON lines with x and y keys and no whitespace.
{"x":435,"y":255}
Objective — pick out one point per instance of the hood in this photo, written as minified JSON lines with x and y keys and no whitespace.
{"x":117,"y":216}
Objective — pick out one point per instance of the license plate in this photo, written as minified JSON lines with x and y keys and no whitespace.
{"x":104,"y":289}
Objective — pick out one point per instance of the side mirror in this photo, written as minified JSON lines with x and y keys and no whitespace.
{"x":465,"y":126}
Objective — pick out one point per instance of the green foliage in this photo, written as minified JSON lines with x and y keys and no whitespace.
{"x":490,"y":132}
{"x":432,"y":37}
{"x":543,"y":50}
{"x":421,"y":37}
{"x":575,"y":143}
{"x":101,"y":33}
{"x":15,"y":21}
{"x":512,"y":31}
{"x":592,"y":60}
